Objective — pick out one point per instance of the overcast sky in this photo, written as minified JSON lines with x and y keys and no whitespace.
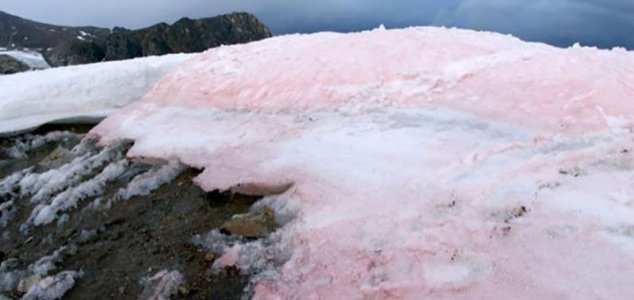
{"x":603,"y":23}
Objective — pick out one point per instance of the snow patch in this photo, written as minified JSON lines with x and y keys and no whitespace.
{"x":53,"y":287}
{"x":145,"y":183}
{"x":80,"y":93}
{"x":423,"y":162}
{"x":33,"y":59}
{"x":161,"y":286}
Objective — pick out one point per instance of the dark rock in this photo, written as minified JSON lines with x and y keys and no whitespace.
{"x":122,"y":45}
{"x":185,"y":36}
{"x":75,"y":52}
{"x":16,"y":32}
{"x":10,"y":65}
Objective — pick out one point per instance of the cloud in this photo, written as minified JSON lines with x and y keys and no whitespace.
{"x":604,"y":23}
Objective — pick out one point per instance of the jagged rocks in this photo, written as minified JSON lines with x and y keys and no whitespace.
{"x":185,"y":36}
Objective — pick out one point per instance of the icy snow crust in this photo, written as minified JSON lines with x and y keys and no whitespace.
{"x":425,"y":162}
{"x":78,"y":93}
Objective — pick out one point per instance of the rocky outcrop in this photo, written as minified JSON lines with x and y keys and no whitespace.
{"x":186,"y":36}
{"x":10,"y":65}
{"x":75,"y":53}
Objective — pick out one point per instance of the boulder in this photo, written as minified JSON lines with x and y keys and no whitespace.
{"x":10,"y":65}
{"x":75,"y":52}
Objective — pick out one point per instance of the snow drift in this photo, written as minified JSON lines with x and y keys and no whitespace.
{"x":33,"y":59}
{"x":85,"y":92}
{"x":422,"y":163}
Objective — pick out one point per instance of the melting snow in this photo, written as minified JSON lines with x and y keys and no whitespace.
{"x":52,"y":287}
{"x":425,"y":162}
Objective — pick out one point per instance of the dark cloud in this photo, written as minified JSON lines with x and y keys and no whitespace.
{"x":604,"y":23}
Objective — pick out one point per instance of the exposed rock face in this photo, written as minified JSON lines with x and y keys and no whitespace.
{"x":75,"y":53}
{"x":10,"y":65}
{"x":16,"y":32}
{"x":185,"y":36}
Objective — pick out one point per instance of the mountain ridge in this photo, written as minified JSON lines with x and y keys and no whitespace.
{"x":65,"y":45}
{"x":18,"y":32}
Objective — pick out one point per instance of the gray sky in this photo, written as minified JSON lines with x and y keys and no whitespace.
{"x":603,"y":23}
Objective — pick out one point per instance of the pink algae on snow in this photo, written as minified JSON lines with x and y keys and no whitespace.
{"x":425,"y":163}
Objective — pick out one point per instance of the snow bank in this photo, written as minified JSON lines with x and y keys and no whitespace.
{"x":33,"y":59}
{"x":422,"y":163}
{"x":78,"y":93}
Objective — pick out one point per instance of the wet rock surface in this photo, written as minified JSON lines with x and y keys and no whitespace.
{"x":121,"y":229}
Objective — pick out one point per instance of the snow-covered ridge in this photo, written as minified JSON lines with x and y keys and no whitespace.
{"x":86,"y":92}
{"x":422,"y":163}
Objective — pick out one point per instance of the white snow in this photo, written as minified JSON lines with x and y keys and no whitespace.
{"x":33,"y":59}
{"x":52,"y":287}
{"x":46,"y":264}
{"x":71,"y":197}
{"x":41,"y":186}
{"x":422,"y":163}
{"x":78,"y":93}
{"x":143,"y":184}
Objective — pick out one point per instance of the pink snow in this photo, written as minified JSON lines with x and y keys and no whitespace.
{"x":424,"y":162}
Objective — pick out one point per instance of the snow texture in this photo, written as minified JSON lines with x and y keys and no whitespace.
{"x":41,"y":186}
{"x":162,"y":285}
{"x":7,"y":212}
{"x":423,"y":162}
{"x":143,"y":184}
{"x":10,"y":275}
{"x":71,"y":197}
{"x":29,"y":142}
{"x":52,"y":287}
{"x":78,"y":93}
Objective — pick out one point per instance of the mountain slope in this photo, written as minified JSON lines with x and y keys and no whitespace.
{"x":16,"y":32}
{"x":63,"y":45}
